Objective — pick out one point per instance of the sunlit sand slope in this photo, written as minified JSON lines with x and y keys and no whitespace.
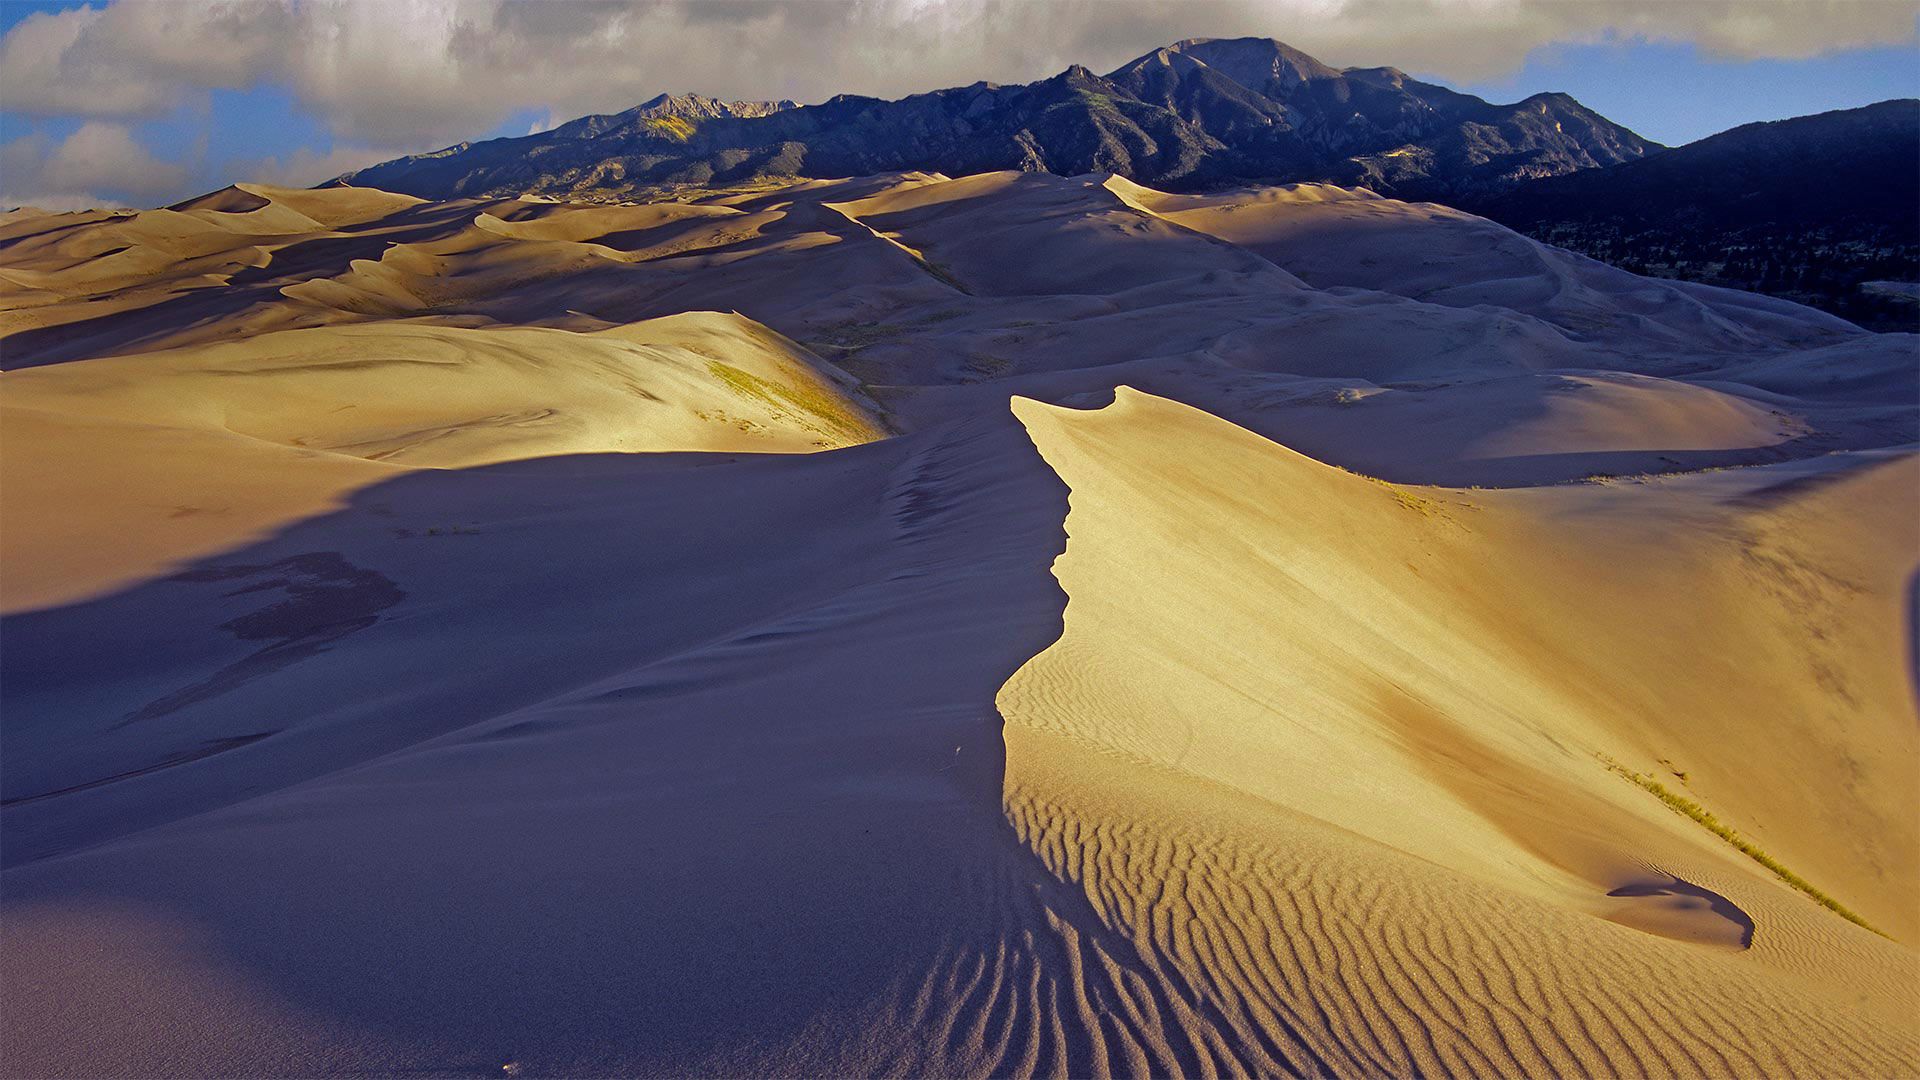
{"x":120,"y":466}
{"x":1332,"y":756}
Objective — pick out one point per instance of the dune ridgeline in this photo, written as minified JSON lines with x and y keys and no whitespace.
{"x":1005,"y":625}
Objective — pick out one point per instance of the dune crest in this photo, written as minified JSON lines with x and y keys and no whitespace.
{"x":1291,"y":718}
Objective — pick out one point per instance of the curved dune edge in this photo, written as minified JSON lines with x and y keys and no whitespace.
{"x":1301,"y":758}
{"x":229,"y":441}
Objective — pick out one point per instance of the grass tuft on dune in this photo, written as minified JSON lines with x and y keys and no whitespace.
{"x":1686,"y":807}
{"x":809,"y":400}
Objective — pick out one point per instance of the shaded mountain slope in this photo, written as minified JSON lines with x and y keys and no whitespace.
{"x":1197,"y":113}
{"x":1756,"y":173}
{"x":1808,"y":208}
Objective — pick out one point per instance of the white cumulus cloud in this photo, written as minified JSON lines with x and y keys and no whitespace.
{"x":99,"y":164}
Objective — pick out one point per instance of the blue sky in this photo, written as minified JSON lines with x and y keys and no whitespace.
{"x":12,"y":11}
{"x":1673,"y":93}
{"x":144,"y":102}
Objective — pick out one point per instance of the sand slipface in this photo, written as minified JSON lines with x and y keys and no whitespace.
{"x":1272,"y":687}
{"x":911,"y":625}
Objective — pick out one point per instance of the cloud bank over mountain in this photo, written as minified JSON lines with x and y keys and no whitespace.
{"x":413,"y":75}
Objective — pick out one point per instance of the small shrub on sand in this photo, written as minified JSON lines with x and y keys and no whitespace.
{"x":944,"y":275}
{"x":1419,"y":504}
{"x":1680,"y":804}
{"x":851,"y":337}
{"x":810,"y":401}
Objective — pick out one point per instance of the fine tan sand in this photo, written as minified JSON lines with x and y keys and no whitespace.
{"x":219,"y":441}
{"x":910,"y":625}
{"x":1291,"y":703}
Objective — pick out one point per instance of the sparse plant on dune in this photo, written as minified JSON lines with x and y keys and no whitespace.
{"x":1419,"y":504}
{"x":1682,"y":805}
{"x":850,"y":337}
{"x":986,"y":366}
{"x":1413,"y":501}
{"x":942,"y":274}
{"x":436,"y":530}
{"x":810,"y":402}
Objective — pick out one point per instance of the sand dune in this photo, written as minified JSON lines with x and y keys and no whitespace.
{"x":1449,"y":617}
{"x":228,"y":440}
{"x":1335,"y":237}
{"x":913,"y":625}
{"x":1293,"y":705}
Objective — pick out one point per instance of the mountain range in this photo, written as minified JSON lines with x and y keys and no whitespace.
{"x":1197,"y":114}
{"x":1746,"y":208}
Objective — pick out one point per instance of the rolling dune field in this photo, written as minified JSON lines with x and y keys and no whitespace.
{"x":912,"y":625}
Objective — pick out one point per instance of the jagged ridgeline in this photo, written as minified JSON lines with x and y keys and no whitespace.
{"x":1198,"y":113}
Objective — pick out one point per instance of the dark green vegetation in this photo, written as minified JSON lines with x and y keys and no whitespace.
{"x":1810,"y":209}
{"x":1680,"y":804}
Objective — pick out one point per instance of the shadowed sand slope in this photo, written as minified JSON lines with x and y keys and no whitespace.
{"x":737,"y":816}
{"x":509,"y":636}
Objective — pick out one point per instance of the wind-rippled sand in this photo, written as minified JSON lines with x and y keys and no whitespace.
{"x":1007,"y":625}
{"x":1350,"y":810}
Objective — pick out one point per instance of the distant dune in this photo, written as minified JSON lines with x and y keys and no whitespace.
{"x":998,"y":625}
